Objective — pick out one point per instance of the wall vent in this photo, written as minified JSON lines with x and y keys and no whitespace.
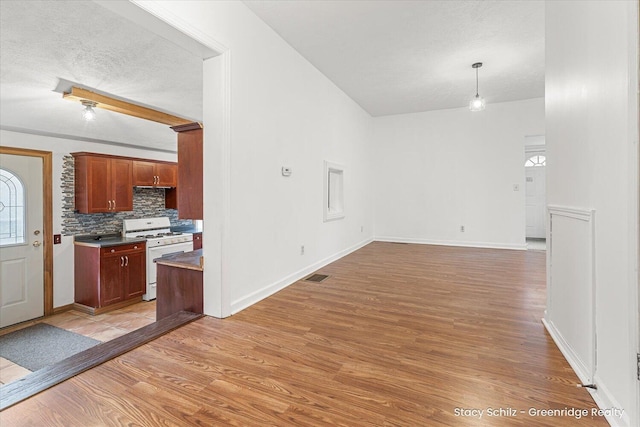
{"x":317,"y":278}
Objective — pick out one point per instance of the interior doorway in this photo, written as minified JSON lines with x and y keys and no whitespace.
{"x":535,"y":161}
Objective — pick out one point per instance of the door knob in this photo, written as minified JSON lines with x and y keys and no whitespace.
{"x":36,"y":243}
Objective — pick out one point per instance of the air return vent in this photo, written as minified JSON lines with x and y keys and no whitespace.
{"x":317,"y":278}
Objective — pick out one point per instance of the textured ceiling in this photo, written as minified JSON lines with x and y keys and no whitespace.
{"x":391,"y":57}
{"x":396,"y":57}
{"x":46,"y":44}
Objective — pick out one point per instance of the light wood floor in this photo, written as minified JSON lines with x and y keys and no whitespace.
{"x":399,"y":335}
{"x":103,"y":327}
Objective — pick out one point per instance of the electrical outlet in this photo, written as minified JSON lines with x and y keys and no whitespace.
{"x":302,"y":250}
{"x":57,"y":239}
{"x":462,"y":228}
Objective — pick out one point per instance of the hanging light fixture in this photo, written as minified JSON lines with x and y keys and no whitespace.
{"x":477,"y":103}
{"x":88,"y":113}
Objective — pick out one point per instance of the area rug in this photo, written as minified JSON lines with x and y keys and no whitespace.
{"x":41,"y":345}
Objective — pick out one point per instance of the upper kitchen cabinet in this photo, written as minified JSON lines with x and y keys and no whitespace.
{"x":189,"y":190}
{"x":154,"y":174}
{"x":102,"y":183}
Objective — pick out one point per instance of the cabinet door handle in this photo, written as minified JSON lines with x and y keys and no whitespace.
{"x":109,"y":204}
{"x":121,"y":261}
{"x":114,"y":205}
{"x":126,"y":259}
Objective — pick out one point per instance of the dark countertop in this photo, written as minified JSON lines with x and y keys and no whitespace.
{"x":189,"y":260}
{"x":105,"y":240}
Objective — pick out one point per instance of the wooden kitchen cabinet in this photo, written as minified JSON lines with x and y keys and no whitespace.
{"x":102,"y":183}
{"x":107,"y":278}
{"x":189,"y":190}
{"x":155,"y":174}
{"x":180,"y":284}
{"x":197,"y":241}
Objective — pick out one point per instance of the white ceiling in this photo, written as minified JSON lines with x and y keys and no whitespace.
{"x":391,"y":57}
{"x":395,"y":57}
{"x":45,"y":45}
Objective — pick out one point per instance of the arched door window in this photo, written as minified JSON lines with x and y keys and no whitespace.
{"x":12,"y":209}
{"x":535,"y":161}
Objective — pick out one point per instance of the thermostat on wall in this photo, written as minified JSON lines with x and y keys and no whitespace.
{"x":286,"y":171}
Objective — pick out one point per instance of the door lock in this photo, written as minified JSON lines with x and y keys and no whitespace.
{"x":36,"y":232}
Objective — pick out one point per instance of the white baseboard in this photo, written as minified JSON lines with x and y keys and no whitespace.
{"x":605,"y":400}
{"x":271,"y":289}
{"x":602,"y":396}
{"x":578,"y":366}
{"x":520,"y":247}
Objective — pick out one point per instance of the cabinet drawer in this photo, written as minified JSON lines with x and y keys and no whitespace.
{"x":130,"y":247}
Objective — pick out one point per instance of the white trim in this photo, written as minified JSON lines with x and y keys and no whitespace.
{"x":581,"y":370}
{"x":584,"y":372}
{"x":602,"y":397}
{"x":157,"y":9}
{"x":605,"y":400}
{"x":488,"y":245}
{"x":327,"y":214}
{"x":271,"y":289}
{"x":223,"y":292}
{"x":575,"y":213}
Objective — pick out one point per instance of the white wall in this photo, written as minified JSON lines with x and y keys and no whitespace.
{"x":435,"y":171}
{"x":591,"y":134}
{"x":284,"y":112}
{"x":63,"y":253}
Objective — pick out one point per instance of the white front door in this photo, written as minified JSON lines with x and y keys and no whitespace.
{"x":21,"y":237}
{"x":535,"y":196}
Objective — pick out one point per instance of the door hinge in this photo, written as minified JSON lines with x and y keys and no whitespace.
{"x":638,"y":368}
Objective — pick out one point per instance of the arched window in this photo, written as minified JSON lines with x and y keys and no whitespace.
{"x":12,"y":209}
{"x":535,"y":160}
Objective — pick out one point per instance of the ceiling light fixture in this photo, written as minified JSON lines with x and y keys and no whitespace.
{"x":88,"y":113}
{"x":477,"y":103}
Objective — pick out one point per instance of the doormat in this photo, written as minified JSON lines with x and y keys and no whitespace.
{"x":41,"y":345}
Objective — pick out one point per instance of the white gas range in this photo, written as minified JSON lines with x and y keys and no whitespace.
{"x":161,"y":241}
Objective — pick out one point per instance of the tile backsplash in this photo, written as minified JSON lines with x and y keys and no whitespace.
{"x":147,"y":202}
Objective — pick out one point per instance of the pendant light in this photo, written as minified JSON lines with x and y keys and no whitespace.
{"x":88,"y":113}
{"x":477,"y":103}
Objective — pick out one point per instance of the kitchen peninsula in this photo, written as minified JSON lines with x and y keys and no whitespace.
{"x":179,"y":284}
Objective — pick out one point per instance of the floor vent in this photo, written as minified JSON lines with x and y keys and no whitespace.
{"x":317,"y":278}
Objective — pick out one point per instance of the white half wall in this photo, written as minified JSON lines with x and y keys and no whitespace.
{"x":436,"y":171}
{"x":571,"y":291}
{"x":591,"y":88}
{"x":63,"y":290}
{"x":283,"y":113}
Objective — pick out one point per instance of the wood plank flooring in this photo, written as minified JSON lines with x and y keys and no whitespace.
{"x":55,"y":373}
{"x":399,"y":335}
{"x":102,"y":327}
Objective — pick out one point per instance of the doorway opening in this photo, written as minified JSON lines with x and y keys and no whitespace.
{"x":535,"y":161}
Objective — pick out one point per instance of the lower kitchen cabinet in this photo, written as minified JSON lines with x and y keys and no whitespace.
{"x":107,"y":278}
{"x":197,"y":241}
